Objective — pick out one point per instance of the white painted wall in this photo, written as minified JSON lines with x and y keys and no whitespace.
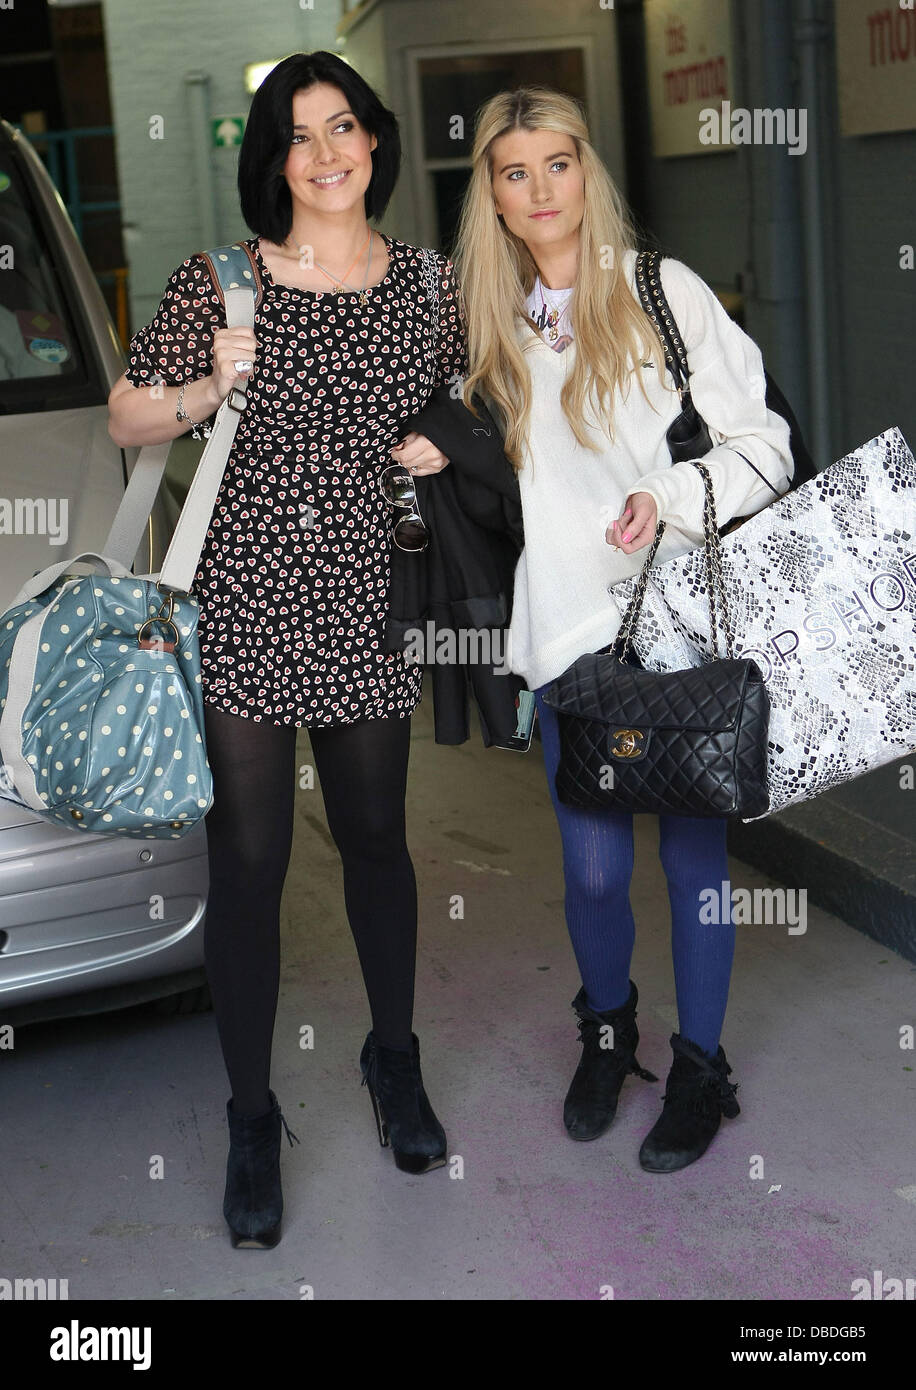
{"x":150,"y":49}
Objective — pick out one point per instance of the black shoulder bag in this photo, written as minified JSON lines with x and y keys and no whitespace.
{"x":688,"y":436}
{"x":687,"y":743}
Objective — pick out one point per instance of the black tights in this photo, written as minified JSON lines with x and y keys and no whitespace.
{"x":362,"y":768}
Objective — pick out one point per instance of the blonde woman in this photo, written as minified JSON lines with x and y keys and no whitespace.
{"x":561,"y":351}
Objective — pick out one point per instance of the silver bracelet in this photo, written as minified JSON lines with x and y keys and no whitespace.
{"x":182,"y":414}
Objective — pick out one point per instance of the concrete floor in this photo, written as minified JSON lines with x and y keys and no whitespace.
{"x":812,"y":1034}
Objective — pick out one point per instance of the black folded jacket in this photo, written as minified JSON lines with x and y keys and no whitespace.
{"x":458,"y":592}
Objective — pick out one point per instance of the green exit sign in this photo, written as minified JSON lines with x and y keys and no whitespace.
{"x":227,"y":131}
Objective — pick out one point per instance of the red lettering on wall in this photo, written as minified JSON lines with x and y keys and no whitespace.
{"x":675,"y":36}
{"x":696,"y":82}
{"x":891,"y":36}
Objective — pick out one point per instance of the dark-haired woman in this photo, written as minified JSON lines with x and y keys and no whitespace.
{"x":293,"y":576}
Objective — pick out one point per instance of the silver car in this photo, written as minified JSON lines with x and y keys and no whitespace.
{"x":76,"y":934}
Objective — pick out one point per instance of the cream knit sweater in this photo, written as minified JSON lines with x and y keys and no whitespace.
{"x":561,"y":604}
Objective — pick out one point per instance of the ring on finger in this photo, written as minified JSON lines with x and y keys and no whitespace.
{"x":242,"y":366}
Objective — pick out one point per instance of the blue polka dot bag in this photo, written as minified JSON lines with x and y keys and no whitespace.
{"x":103,"y":704}
{"x":101,"y":708}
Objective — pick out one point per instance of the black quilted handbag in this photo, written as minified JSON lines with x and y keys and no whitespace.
{"x":685,"y":743}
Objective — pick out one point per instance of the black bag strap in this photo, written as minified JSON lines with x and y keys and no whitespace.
{"x":653,"y":300}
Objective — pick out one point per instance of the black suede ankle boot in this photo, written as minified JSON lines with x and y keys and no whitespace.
{"x":591,"y":1102}
{"x":253,"y":1204}
{"x":403,"y":1114}
{"x":697,"y":1095}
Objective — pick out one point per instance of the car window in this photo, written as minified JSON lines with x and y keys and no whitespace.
{"x":43,"y":364}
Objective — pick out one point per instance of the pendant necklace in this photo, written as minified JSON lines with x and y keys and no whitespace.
{"x":550,"y":317}
{"x":363,"y":298}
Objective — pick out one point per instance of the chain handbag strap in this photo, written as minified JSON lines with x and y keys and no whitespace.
{"x":431,"y":280}
{"x":715,"y":579}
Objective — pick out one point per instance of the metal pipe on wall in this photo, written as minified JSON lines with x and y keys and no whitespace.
{"x":810,"y":35}
{"x":777,"y":299}
{"x":197,"y":84}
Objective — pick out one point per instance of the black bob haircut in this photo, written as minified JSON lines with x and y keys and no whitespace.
{"x":263,"y":191}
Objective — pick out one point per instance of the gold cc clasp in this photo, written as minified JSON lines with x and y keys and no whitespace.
{"x":627,"y":743}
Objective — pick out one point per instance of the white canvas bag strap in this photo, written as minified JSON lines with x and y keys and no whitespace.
{"x":183,"y":554}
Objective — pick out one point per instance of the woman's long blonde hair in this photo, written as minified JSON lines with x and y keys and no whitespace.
{"x":496,"y":272}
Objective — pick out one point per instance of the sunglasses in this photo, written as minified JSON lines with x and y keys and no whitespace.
{"x":397,"y":487}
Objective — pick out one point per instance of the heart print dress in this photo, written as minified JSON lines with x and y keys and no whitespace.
{"x":293,"y":576}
